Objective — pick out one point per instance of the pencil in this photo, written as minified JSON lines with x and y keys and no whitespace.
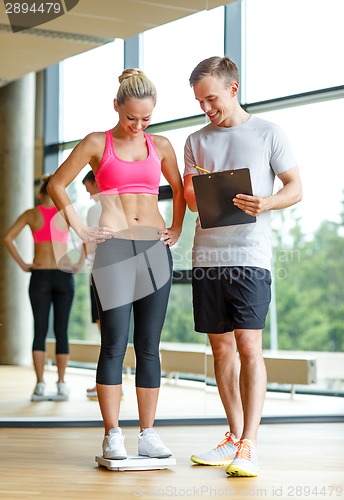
{"x":202,"y":169}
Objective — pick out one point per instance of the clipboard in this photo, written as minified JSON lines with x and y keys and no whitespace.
{"x":214,"y":193}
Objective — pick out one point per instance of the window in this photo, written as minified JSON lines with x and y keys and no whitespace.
{"x":292,"y":47}
{"x":177,"y":138}
{"x":89,"y":84}
{"x":170,"y":53}
{"x":309,"y":236}
{"x":315,"y":134}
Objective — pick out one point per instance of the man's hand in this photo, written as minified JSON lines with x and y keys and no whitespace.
{"x":251,"y":205}
{"x":288,"y":195}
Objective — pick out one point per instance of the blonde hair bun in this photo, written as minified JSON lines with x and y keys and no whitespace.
{"x":134,"y":84}
{"x":129,"y":72}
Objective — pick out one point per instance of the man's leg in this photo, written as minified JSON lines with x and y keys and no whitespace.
{"x":252,"y":380}
{"x":252,"y":390}
{"x":227,"y":366}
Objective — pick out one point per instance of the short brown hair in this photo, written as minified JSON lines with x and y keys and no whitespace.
{"x":221,"y":67}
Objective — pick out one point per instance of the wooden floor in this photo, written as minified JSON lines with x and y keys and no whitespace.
{"x":296,"y":461}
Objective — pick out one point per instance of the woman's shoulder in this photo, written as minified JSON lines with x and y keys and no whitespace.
{"x":94,"y":138}
{"x":31,"y":212}
{"x":93,"y":143}
{"x":160,"y":141}
{"x":31,"y":215}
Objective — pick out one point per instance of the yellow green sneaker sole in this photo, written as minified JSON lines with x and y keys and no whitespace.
{"x":237,"y":471}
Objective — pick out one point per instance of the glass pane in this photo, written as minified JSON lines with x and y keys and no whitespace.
{"x":80,"y":322}
{"x":293,"y":46}
{"x":182,"y":251}
{"x":318,"y":150}
{"x":179,"y":325}
{"x":182,"y":356}
{"x":177,"y":138}
{"x":308,"y":241}
{"x":88,"y":86}
{"x":195,"y":38}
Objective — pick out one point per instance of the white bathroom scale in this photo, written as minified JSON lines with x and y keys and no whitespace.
{"x":49,"y":397}
{"x":136,"y":462}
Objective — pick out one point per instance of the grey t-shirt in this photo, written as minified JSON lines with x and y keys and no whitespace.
{"x":259,"y":145}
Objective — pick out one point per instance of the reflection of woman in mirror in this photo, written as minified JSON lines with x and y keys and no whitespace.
{"x":132,"y":270}
{"x":49,"y":284}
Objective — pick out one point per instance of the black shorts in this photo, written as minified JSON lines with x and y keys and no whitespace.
{"x":229,"y":298}
{"x":94,"y":308}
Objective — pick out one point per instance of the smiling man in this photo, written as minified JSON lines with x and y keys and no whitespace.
{"x":231,"y":265}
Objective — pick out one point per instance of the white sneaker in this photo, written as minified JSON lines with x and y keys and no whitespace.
{"x":62,"y":389}
{"x":39,"y":389}
{"x":92,"y":394}
{"x":113,"y":445}
{"x":223,"y":454}
{"x":150,"y":445}
{"x":245,"y":463}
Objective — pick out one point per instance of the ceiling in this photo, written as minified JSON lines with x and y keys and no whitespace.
{"x":89,"y":24}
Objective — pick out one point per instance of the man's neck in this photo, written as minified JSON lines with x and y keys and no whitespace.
{"x":238,"y":117}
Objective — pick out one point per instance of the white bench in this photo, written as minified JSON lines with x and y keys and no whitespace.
{"x":88,"y":352}
{"x":281,"y":369}
{"x":198,"y":360}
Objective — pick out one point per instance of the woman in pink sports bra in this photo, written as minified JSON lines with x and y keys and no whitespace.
{"x":49,"y":285}
{"x":132,"y":270}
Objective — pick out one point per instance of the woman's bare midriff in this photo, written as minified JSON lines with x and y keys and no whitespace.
{"x":132,"y":216}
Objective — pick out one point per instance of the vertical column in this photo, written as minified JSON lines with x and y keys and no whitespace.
{"x":133,"y":52}
{"x":39,"y":126}
{"x":51,"y":123}
{"x":235,"y":41}
{"x":17,"y":111}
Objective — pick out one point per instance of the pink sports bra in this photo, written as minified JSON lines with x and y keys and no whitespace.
{"x":49,"y":232}
{"x":115,"y":175}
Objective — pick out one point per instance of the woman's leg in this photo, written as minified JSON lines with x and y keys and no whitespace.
{"x":62,"y":297}
{"x":114,"y":339}
{"x":39,"y":359}
{"x":149,"y":317}
{"x":40,"y":298}
{"x":113,"y":282}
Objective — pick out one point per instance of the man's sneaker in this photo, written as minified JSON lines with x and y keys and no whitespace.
{"x":91,"y":389}
{"x":38,"y":391}
{"x":113,"y":445}
{"x":223,"y":454}
{"x":62,"y":390}
{"x":92,"y":393}
{"x":245,"y":463}
{"x":150,"y":445}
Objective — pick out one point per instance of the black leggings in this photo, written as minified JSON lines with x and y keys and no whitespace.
{"x":131,"y":275}
{"x":51,"y":286}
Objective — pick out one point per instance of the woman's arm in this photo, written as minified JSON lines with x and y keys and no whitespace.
{"x":86,"y":152}
{"x":171,"y":173}
{"x":12,"y":234}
